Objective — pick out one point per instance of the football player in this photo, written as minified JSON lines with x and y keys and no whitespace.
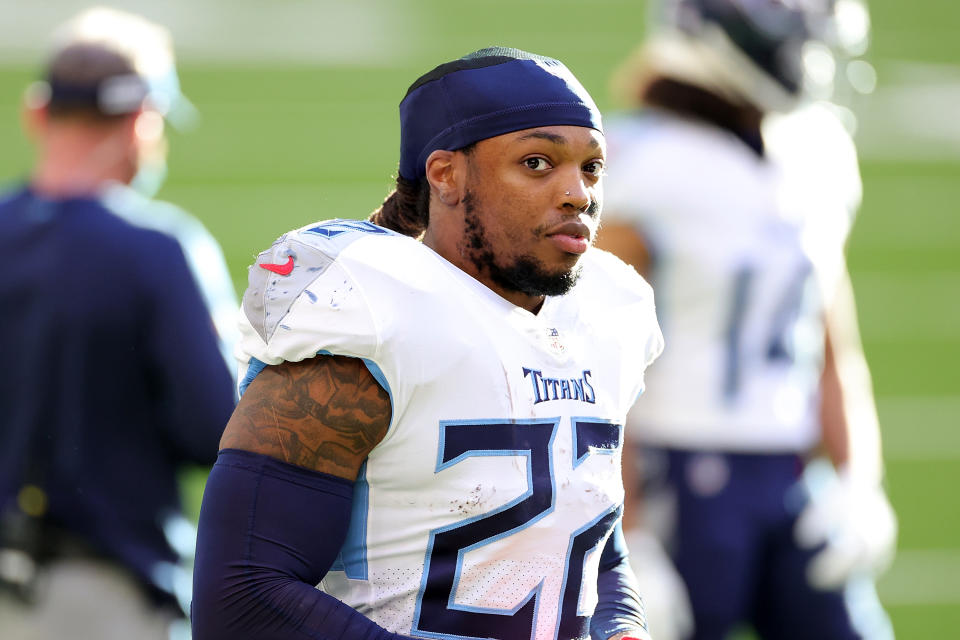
{"x":432,"y":409}
{"x":757,"y":450}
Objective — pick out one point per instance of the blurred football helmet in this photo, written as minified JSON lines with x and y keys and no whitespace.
{"x":768,"y":53}
{"x":848,"y":36}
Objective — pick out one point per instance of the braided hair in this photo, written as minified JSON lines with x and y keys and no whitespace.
{"x":406,"y":209}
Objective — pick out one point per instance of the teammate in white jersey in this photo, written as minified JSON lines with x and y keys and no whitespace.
{"x":432,"y":402}
{"x":737,"y":202}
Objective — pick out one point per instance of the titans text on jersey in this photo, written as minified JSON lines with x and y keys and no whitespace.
{"x":546,"y":388}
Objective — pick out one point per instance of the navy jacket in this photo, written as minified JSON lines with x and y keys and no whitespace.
{"x":109,"y":355}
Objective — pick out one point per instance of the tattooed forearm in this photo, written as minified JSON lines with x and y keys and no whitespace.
{"x":325,"y":414}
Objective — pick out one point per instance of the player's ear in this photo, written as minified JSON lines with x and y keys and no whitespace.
{"x":443,"y":176}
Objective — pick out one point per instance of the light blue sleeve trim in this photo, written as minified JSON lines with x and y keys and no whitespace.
{"x":381,"y":379}
{"x":353,"y":557}
{"x":374,"y":370}
{"x":256,"y":366}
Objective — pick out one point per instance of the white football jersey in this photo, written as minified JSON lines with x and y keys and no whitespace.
{"x":483,"y":511}
{"x":745,"y":253}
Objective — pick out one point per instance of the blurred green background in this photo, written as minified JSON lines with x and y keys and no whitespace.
{"x":298,"y":104}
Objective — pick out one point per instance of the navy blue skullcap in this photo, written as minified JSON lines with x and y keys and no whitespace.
{"x":484,"y":94}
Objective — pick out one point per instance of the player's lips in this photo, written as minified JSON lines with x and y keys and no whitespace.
{"x":571,"y":237}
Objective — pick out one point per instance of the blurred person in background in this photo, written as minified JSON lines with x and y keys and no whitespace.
{"x":757,"y":495}
{"x":113,"y":378}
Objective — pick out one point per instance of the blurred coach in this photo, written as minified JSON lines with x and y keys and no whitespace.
{"x":113,"y":377}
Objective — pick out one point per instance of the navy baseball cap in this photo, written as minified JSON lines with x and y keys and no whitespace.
{"x":484,"y":94}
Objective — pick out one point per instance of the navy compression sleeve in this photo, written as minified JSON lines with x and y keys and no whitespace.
{"x":619,"y":606}
{"x":268,"y":533}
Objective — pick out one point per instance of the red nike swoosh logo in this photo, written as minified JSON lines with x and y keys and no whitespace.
{"x":281,"y":269}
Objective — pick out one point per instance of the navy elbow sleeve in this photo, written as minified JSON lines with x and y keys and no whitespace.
{"x":619,"y":605}
{"x":268,"y":533}
{"x":615,"y":550}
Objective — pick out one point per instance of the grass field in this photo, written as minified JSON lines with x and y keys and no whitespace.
{"x":283,"y":142}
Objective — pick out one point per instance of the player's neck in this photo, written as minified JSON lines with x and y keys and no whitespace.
{"x":76,"y":162}
{"x":448,"y":247}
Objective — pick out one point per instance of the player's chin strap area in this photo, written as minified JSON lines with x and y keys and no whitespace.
{"x":260,"y":553}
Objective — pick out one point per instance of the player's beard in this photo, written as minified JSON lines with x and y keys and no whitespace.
{"x":525,"y":274}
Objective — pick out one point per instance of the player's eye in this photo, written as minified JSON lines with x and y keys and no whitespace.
{"x":536,"y":163}
{"x":594,"y":168}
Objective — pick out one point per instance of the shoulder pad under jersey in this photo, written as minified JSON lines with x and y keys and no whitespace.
{"x":626,"y":298}
{"x":302,"y":298}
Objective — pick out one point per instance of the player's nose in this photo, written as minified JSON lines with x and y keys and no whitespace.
{"x":576,"y":194}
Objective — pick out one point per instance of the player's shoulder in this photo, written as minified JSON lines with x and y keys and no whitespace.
{"x":814,"y":129}
{"x":617,"y":301}
{"x":336,"y":266}
{"x":86,"y":226}
{"x":607,"y":277}
{"x":358,"y":246}
{"x":148,"y":213}
{"x":94,"y":224}
{"x":11,"y":194}
{"x":341,"y":236}
{"x":122,"y":234}
{"x":655,"y":156}
{"x":813,"y":146}
{"x":630,"y":126}
{"x":652,"y":131}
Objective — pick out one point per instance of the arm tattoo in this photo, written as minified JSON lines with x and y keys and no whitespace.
{"x":325,"y":414}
